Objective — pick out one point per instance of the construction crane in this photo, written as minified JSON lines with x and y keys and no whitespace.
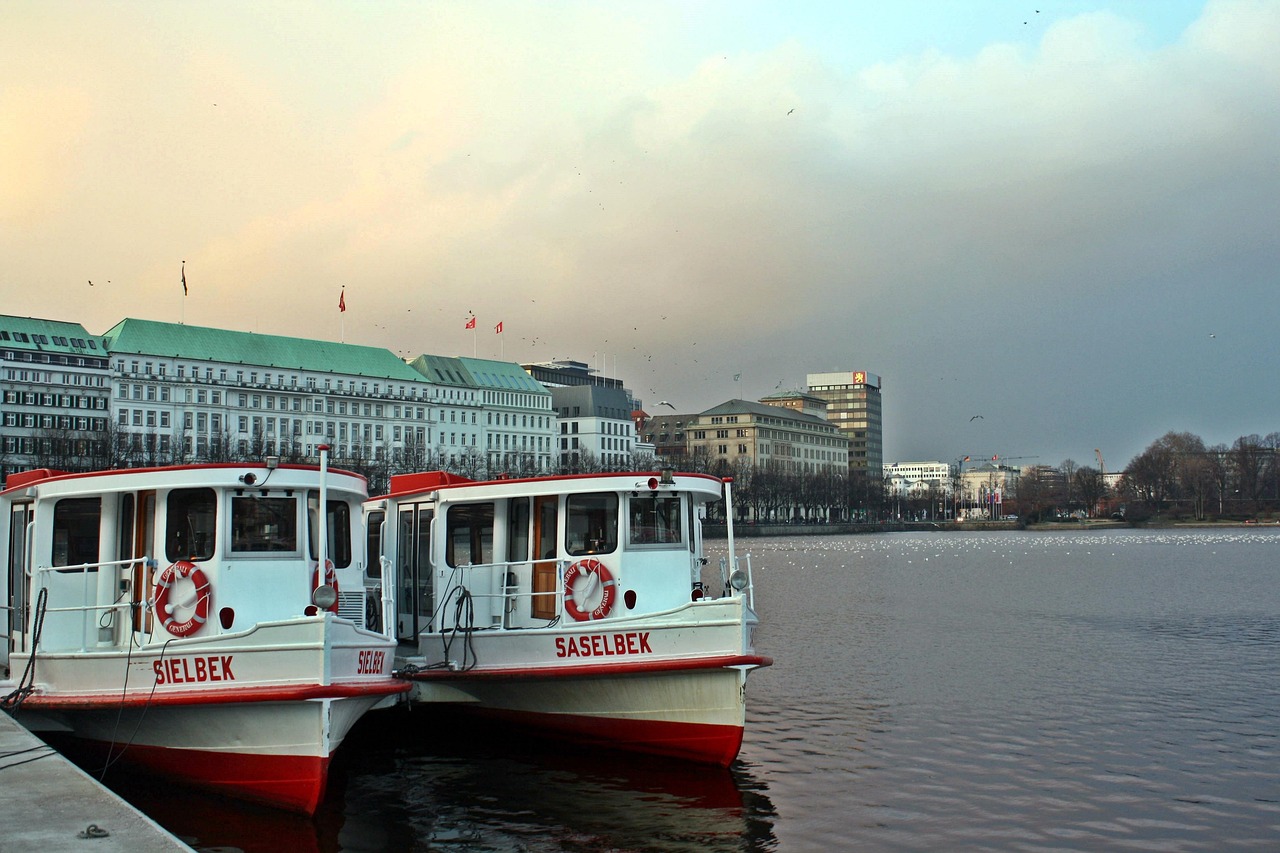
{"x":1102,"y":466}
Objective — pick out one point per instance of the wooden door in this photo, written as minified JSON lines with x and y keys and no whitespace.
{"x":545,"y":550}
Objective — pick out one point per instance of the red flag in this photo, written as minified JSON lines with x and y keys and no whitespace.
{"x":994,"y":458}
{"x":498,"y":329}
{"x":966,"y":459}
{"x":342,"y":301}
{"x":471,"y":324}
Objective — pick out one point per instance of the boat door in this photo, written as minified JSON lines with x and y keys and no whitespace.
{"x":15,"y":601}
{"x":544,"y":547}
{"x":414,"y":596}
{"x":137,"y":533}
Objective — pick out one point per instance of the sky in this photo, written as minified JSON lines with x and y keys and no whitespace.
{"x":1061,"y":216}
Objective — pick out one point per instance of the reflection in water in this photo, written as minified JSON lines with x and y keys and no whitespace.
{"x":427,"y":781}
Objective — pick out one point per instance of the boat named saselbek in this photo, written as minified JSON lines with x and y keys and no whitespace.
{"x":176,"y":619}
{"x":573,"y":605}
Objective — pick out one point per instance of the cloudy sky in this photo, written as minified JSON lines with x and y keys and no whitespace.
{"x":1061,"y":215}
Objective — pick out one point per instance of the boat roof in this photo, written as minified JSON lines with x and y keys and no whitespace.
{"x":403,"y":485}
{"x":204,"y":474}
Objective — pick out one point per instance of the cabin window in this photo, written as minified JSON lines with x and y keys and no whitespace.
{"x":655,"y":520}
{"x":337,"y":531}
{"x":373,"y":544}
{"x":191,"y":520}
{"x":260,"y":524}
{"x":75,"y":531}
{"x":470,"y":535}
{"x":592,"y":524}
{"x":518,"y":530}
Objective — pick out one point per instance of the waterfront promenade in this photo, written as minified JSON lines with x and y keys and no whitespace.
{"x":47,"y":803}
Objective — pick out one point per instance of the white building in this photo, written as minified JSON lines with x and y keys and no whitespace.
{"x":918,"y":479}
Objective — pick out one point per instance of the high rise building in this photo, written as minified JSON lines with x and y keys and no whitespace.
{"x":853,"y":405}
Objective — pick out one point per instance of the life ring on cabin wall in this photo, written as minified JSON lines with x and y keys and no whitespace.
{"x":330,"y":579}
{"x":204,"y":598}
{"x":608,"y":590}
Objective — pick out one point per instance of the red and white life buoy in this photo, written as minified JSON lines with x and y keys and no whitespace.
{"x":588,"y":574}
{"x":330,"y":579}
{"x":183,"y":569}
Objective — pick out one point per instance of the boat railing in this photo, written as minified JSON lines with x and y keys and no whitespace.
{"x":117,"y":610}
{"x":502,"y":585}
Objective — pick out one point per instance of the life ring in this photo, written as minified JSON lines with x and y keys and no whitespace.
{"x":204,"y":598}
{"x":330,"y":579}
{"x":608,"y":590}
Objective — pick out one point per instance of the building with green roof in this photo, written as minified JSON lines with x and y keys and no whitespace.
{"x":55,"y":390}
{"x":502,"y":412}
{"x":182,"y":391}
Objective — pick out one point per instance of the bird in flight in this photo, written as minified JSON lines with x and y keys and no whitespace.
{"x":976,"y":417}
{"x":665,"y":403}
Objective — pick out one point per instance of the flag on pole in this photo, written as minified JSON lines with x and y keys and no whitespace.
{"x":471,"y":323}
{"x":342,"y":301}
{"x":497,"y":329}
{"x":184,"y":278}
{"x":966,"y":459}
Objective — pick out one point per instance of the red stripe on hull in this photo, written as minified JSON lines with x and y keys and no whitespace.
{"x":233,"y":696}
{"x":590,"y":670}
{"x":294,"y":783}
{"x":699,"y":742}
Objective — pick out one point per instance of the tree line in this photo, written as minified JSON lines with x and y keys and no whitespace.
{"x":1176,"y":476}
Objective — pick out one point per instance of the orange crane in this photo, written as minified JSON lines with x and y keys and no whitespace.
{"x":1102,"y":466}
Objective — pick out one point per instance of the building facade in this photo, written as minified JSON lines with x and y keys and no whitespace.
{"x":182,"y":392}
{"x":854,"y":406}
{"x":519,"y":421}
{"x":919,"y":479}
{"x":595,"y":427}
{"x":741,"y":432}
{"x":55,"y":394}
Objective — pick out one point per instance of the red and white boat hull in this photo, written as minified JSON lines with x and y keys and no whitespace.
{"x":668,"y":684}
{"x":229,"y":715}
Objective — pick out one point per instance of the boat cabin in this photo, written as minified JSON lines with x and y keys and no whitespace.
{"x":119,"y":559}
{"x":516,"y":554}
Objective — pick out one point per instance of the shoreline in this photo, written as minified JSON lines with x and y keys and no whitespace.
{"x":745,"y":531}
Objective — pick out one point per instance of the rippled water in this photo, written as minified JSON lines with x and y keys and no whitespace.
{"x":1009,"y":691}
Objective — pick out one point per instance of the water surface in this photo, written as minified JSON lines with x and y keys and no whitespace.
{"x":931,"y":691}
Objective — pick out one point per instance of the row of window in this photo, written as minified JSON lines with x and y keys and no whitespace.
{"x":62,"y":401}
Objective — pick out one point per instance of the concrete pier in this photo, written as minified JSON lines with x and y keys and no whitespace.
{"x":48,"y":804}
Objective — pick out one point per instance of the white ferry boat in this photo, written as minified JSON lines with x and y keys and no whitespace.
{"x":176,"y":619}
{"x":573,"y":605}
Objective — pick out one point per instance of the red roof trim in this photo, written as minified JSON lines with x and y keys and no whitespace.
{"x":454,"y":481}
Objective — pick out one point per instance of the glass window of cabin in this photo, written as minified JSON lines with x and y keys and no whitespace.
{"x":518,"y":530}
{"x":75,"y":531}
{"x":470,"y":535}
{"x":191,"y":517}
{"x":337,"y":525}
{"x":591,"y":524}
{"x":373,"y":544}
{"x":655,"y":520}
{"x":264,"y":524}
